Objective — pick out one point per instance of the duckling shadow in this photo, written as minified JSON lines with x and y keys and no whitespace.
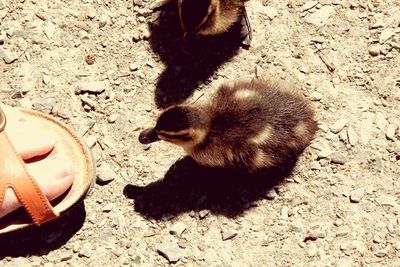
{"x":41,"y":240}
{"x":188,"y":186}
{"x":183,"y":72}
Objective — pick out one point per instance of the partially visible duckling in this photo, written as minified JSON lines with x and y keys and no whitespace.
{"x":212,"y":17}
{"x":248,"y":124}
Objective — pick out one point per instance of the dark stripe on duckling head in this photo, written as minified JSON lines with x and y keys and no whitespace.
{"x":179,"y":118}
{"x":180,"y":137}
{"x":192,"y":14}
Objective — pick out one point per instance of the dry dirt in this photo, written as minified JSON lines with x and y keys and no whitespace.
{"x":105,"y":67}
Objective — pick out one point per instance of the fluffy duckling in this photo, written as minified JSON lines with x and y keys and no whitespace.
{"x":248,"y":124}
{"x":212,"y":17}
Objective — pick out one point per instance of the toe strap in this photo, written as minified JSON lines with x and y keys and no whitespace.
{"x":13,"y":174}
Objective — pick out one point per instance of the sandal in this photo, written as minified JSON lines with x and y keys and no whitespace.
{"x":13,"y":174}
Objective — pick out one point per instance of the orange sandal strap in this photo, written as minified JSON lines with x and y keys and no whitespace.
{"x":13,"y":174}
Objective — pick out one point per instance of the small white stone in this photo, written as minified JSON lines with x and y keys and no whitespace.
{"x":8,"y":56}
{"x":352,"y":136}
{"x":108,"y":207}
{"x":321,"y":16}
{"x":112,"y":118}
{"x":357,"y":195}
{"x":46,"y":79}
{"x":386,"y":200}
{"x":315,"y":96}
{"x":339,"y":125}
{"x":308,"y":5}
{"x":391,"y":132}
{"x":178,"y":228}
{"x":386,"y":34}
{"x":365,"y":131}
{"x":133,"y":67}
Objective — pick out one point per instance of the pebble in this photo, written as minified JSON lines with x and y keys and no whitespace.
{"x":352,"y":136}
{"x":170,"y":251}
{"x":108,"y":207}
{"x":382,"y":252}
{"x":315,"y":165}
{"x":133,"y":67}
{"x":339,"y":125}
{"x":89,"y":102}
{"x":308,"y":5}
{"x":138,"y":2}
{"x":90,"y":13}
{"x":65,"y":256}
{"x":365,"y":131}
{"x":380,"y":120}
{"x":295,"y":227}
{"x":228,"y":234}
{"x":203,"y":213}
{"x":177,"y":229}
{"x":357,"y":195}
{"x":271,"y":194}
{"x":320,"y":17}
{"x":90,"y":59}
{"x":44,"y":105}
{"x":338,"y":158}
{"x":49,"y":30}
{"x":324,"y":153}
{"x":85,"y":250}
{"x":315,"y":96}
{"x":105,"y":173}
{"x":103,"y":20}
{"x":386,"y":200}
{"x":391,"y":132}
{"x":112,"y":118}
{"x":386,"y":34}
{"x":312,"y":250}
{"x":8,"y":56}
{"x":90,"y":140}
{"x":136,"y":36}
{"x":374,"y":50}
{"x":46,"y":79}
{"x":259,"y":72}
{"x":90,"y":87}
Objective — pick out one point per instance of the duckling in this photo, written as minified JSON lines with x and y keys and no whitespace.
{"x":251,"y":125}
{"x":212,"y":17}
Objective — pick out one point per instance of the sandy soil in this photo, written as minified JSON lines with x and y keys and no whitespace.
{"x":105,"y":67}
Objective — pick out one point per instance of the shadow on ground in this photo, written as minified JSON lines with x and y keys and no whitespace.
{"x":188,"y":186}
{"x":183,"y":73}
{"x":42,"y":240}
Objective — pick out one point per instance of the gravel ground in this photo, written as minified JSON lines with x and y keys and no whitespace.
{"x":105,"y":67}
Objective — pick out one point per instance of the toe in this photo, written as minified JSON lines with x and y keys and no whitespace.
{"x":54,"y":175}
{"x":29,"y":139}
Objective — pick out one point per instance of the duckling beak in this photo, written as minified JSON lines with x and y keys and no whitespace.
{"x":148,"y":136}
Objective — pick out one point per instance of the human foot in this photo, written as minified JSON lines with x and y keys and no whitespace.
{"x":54,"y":174}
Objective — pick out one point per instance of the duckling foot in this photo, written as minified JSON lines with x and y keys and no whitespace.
{"x":245,"y":30}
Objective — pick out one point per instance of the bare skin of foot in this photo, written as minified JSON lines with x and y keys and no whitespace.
{"x":54,"y":174}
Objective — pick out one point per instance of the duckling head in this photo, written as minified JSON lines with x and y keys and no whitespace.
{"x":185,"y":126}
{"x":197,"y":17}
